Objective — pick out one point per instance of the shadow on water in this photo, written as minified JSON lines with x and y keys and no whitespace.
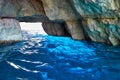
{"x":58,"y":58}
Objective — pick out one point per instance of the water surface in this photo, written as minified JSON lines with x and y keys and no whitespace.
{"x":58,"y":58}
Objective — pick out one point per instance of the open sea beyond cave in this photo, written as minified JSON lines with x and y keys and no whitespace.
{"x":40,"y":57}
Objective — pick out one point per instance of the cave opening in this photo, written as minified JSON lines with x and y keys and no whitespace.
{"x":32,"y":28}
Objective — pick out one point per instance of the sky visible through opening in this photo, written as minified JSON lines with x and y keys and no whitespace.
{"x":33,"y":28}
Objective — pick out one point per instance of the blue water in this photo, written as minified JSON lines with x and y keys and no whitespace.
{"x":59,"y":58}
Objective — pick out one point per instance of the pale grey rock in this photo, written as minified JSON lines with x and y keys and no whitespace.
{"x":10,"y":31}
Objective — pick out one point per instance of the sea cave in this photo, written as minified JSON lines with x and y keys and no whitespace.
{"x":59,"y":39}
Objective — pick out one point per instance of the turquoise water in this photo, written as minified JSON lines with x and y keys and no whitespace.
{"x":58,"y":58}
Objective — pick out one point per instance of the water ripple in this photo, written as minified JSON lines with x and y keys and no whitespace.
{"x":59,"y":58}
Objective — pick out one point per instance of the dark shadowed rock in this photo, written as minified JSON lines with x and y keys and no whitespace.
{"x":55,"y":28}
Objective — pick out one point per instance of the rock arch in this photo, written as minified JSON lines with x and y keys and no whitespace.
{"x":81,"y":19}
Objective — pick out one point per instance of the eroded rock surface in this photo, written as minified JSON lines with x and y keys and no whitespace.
{"x":10,"y":31}
{"x":55,"y":28}
{"x":98,"y":20}
{"x":98,"y":8}
{"x":64,"y":10}
{"x":103,"y":30}
{"x":21,"y":8}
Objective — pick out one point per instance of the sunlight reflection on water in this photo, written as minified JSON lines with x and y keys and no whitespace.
{"x":59,"y":58}
{"x":33,"y":28}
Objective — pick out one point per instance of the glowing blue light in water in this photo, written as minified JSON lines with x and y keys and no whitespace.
{"x":59,"y":58}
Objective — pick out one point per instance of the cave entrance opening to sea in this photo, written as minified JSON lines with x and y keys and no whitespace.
{"x":32,"y":28}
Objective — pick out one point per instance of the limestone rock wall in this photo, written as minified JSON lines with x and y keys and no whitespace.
{"x":20,"y":8}
{"x":98,"y":20}
{"x":55,"y":28}
{"x":23,"y":10}
{"x":64,"y":10}
{"x":103,"y":30}
{"x":10,"y":31}
{"x":98,"y":8}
